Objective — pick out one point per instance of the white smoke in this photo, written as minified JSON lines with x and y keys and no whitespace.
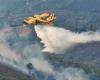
{"x":42,"y":65}
{"x":7,"y":53}
{"x":72,"y":74}
{"x":24,"y":55}
{"x":56,"y":39}
{"x":5,"y":50}
{"x":9,"y":56}
{"x":33,"y":52}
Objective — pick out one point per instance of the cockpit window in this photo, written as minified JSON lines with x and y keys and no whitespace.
{"x":44,"y":18}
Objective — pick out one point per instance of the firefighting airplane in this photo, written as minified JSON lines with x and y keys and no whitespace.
{"x":45,"y":18}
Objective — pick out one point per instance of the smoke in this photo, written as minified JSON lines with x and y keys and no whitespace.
{"x":4,"y":48}
{"x":8,"y":55}
{"x":72,"y":74}
{"x":16,"y":52}
{"x":42,"y":65}
{"x":56,"y":39}
{"x":34,"y":55}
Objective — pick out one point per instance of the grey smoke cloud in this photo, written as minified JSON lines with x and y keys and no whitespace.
{"x":18,"y":58}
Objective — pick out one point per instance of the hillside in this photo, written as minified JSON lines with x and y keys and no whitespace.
{"x":7,"y":73}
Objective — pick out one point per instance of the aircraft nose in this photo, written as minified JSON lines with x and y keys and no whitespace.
{"x":24,"y":23}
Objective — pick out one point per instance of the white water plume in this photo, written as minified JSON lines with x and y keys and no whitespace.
{"x":56,"y":39}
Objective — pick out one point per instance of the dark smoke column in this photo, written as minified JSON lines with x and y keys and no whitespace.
{"x":32,"y":71}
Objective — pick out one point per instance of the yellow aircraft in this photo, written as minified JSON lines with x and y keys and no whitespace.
{"x":42,"y":18}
